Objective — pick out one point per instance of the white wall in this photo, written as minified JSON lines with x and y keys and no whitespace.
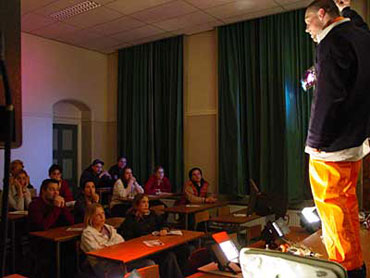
{"x":53,"y":71}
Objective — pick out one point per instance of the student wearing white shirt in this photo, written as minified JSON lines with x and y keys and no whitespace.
{"x":98,"y":235}
{"x":125,"y":187}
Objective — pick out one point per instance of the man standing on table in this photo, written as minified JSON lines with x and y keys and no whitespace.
{"x":339,"y":129}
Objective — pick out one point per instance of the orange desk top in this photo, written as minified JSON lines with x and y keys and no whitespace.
{"x":15,"y":216}
{"x":234,"y":218}
{"x":135,"y":248}
{"x":60,"y":233}
{"x":193,"y":208}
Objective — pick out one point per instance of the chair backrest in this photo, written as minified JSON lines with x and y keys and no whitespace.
{"x":253,"y":232}
{"x":198,"y":258}
{"x":115,"y":221}
{"x":159,"y":209}
{"x":223,"y":211}
{"x":151,"y":271}
{"x":200,"y":217}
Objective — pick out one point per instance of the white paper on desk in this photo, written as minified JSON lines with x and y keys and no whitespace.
{"x":175,"y":233}
{"x":169,"y":233}
{"x":240,"y":215}
{"x":192,"y":206}
{"x":76,"y":229}
{"x":22,"y":212}
{"x":70,"y":204}
{"x":153,"y":243}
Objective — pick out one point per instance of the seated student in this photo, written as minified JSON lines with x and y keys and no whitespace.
{"x":55,"y":172}
{"x":19,"y":195}
{"x":49,"y":210}
{"x":126,"y":186}
{"x":116,"y":170}
{"x":196,"y":189}
{"x":141,"y":221}
{"x":15,"y":167}
{"x":157,"y":182}
{"x":96,"y":173}
{"x":86,"y":198}
{"x":98,"y":235}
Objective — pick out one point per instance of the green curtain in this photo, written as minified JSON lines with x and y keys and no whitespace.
{"x":150,"y":108}
{"x":263,"y":112}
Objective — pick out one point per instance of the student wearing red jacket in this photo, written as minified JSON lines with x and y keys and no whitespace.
{"x":49,"y":210}
{"x":157,"y":182}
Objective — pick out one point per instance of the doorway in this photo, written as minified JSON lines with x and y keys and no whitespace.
{"x":65,"y":150}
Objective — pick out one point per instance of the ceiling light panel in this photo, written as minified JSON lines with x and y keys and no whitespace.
{"x":75,"y":10}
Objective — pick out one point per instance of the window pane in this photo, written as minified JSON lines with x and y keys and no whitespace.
{"x":55,"y":139}
{"x":67,"y":140}
{"x":67,"y":168}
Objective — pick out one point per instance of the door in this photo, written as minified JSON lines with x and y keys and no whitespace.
{"x":65,"y":150}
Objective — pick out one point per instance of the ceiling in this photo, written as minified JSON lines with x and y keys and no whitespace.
{"x":122,"y":23}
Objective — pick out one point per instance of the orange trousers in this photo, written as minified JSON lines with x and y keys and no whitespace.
{"x":334,"y":190}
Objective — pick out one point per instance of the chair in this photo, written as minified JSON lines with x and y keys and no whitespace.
{"x":159,"y":209}
{"x":84,"y":269}
{"x":201,"y":217}
{"x":221,"y":225}
{"x":151,"y":271}
{"x":223,"y":211}
{"x":198,"y":258}
{"x":115,"y":221}
{"x":252,"y":232}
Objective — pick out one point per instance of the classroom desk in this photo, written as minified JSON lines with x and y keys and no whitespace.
{"x":58,"y":235}
{"x":154,"y":197}
{"x":13,"y":218}
{"x":134,"y":249}
{"x":235,"y":218}
{"x":193,"y":208}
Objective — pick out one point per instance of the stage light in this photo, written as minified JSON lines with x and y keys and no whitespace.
{"x":311,"y":215}
{"x":310,"y":219}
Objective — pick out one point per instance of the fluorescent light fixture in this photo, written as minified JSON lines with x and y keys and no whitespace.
{"x":310,"y":214}
{"x":74,"y":10}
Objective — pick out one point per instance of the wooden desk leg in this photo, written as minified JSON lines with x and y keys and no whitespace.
{"x":13,"y":245}
{"x":58,"y":259}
